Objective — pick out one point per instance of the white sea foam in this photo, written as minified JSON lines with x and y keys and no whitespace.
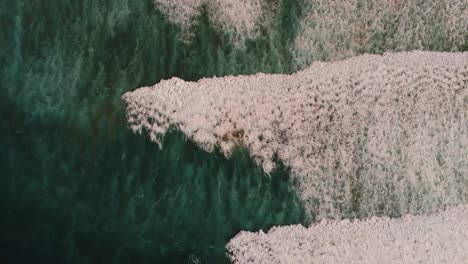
{"x":240,"y":18}
{"x":331,"y":30}
{"x":369,"y":135}
{"x":437,"y":238}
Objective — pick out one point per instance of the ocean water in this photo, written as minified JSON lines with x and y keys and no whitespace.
{"x":77,"y":186}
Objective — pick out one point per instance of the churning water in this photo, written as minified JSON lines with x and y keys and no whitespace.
{"x":77,"y":186}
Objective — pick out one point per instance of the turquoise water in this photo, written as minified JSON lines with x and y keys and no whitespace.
{"x":76,"y":185}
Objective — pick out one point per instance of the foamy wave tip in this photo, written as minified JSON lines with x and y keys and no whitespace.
{"x":441,"y":237}
{"x":370,"y":135}
{"x":241,"y":19}
{"x":331,"y":30}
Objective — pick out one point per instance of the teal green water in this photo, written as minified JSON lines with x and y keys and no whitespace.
{"x":76,"y":185}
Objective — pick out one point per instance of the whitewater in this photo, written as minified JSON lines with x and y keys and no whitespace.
{"x":373,"y":135}
{"x":382,"y":138}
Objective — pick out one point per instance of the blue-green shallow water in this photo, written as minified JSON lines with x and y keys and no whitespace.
{"x":76,"y":185}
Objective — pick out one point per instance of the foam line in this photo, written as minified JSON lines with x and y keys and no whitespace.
{"x":331,"y":30}
{"x":370,"y":135}
{"x":441,"y":237}
{"x":240,"y":18}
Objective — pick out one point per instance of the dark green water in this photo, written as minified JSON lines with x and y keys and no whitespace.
{"x":76,"y":185}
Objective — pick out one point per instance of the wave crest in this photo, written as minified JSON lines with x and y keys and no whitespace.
{"x":370,"y":135}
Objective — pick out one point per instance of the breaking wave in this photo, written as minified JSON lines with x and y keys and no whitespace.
{"x":370,"y":135}
{"x":97,"y":192}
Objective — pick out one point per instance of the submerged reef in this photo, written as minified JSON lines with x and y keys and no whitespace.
{"x":370,"y":135}
{"x":435,"y":238}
